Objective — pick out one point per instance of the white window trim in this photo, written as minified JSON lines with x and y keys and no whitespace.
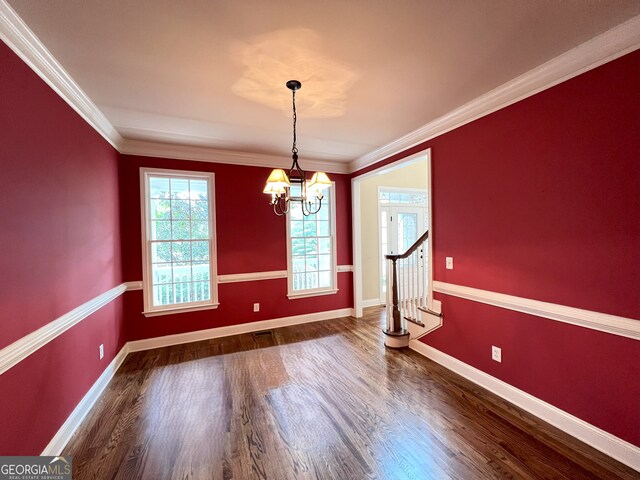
{"x":293,"y":294}
{"x":149,"y":309}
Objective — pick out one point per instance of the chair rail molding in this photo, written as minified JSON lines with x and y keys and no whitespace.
{"x":626,"y":327}
{"x":13,"y":354}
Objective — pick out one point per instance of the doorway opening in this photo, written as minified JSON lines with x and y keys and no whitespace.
{"x":400,"y":193}
{"x":403,"y":217}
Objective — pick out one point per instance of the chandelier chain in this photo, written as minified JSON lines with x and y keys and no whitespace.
{"x":294,"y":149}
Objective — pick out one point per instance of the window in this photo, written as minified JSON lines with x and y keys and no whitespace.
{"x":178,"y":234}
{"x":311,"y":248}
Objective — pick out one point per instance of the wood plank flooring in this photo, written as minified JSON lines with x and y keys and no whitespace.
{"x":323,"y":400}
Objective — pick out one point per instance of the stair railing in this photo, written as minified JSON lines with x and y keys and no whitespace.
{"x":408,"y":288}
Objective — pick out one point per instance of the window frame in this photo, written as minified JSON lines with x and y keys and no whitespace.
{"x":147,"y":287}
{"x":313,"y":292}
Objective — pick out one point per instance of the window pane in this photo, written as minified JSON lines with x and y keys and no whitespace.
{"x":312,"y":280}
{"x":181,"y":251}
{"x":200,"y":251}
{"x":163,"y":294}
{"x":181,"y":272}
{"x":298,"y":281}
{"x":158,"y":187}
{"x":200,"y":271}
{"x":296,"y":211}
{"x":160,"y":252}
{"x":200,"y":292}
{"x":180,"y":188}
{"x":198,"y":189}
{"x":180,"y":210}
{"x":325,"y":262}
{"x":160,"y":209}
{"x":324,"y":280}
{"x":310,"y":229}
{"x":296,"y":228}
{"x":181,"y":230}
{"x":323,"y":228}
{"x":161,"y":273}
{"x":160,"y":230}
{"x":324,"y":245}
{"x":182,"y":292}
{"x":199,"y":230}
{"x":297,"y":246}
{"x":199,"y":210}
{"x":323,"y":214}
{"x":298,"y":264}
{"x":311,"y":263}
{"x":311,"y":246}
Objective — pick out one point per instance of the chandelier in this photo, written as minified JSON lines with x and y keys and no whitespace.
{"x":279,"y":183}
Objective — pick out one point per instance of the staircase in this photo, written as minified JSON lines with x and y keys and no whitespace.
{"x":411,"y":310}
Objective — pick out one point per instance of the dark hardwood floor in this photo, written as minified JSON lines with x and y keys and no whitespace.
{"x":321,"y":400}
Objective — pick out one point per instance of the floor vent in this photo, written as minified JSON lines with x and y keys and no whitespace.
{"x":263,"y":333}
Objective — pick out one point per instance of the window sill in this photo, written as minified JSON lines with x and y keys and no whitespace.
{"x":192,"y":308}
{"x":294,"y":296}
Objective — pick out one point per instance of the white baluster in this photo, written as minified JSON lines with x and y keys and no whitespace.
{"x":410,"y":284}
{"x":403,"y":287}
{"x":425,"y":274}
{"x":416,"y":283}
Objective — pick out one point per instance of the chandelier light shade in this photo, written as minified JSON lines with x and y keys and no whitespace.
{"x":279,"y":184}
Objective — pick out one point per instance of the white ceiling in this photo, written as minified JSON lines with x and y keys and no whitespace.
{"x":212,"y":73}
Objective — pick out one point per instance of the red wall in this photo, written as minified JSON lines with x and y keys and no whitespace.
{"x":250,"y":238}
{"x":542,"y":200}
{"x":60,"y":247}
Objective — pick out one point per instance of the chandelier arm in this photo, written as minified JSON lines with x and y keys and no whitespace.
{"x":317,"y":209}
{"x":284,"y":204}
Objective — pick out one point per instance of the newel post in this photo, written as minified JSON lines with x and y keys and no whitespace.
{"x":397,"y":324}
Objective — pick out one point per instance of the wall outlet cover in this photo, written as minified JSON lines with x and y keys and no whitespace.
{"x":496,"y":354}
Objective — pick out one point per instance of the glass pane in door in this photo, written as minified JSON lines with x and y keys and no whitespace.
{"x":407,"y":230}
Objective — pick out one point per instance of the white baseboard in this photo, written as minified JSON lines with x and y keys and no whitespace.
{"x":188,"y":337}
{"x":607,"y":443}
{"x":68,"y":428}
{"x":372,"y":302}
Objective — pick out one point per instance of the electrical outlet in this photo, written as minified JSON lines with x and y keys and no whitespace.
{"x":496,"y":354}
{"x":101,"y":351}
{"x":256,"y":307}
{"x":449,"y":263}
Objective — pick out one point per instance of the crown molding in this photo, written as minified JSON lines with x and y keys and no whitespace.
{"x":206,"y":154}
{"x":604,"y":48}
{"x":608,"y":46}
{"x":17,"y":35}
